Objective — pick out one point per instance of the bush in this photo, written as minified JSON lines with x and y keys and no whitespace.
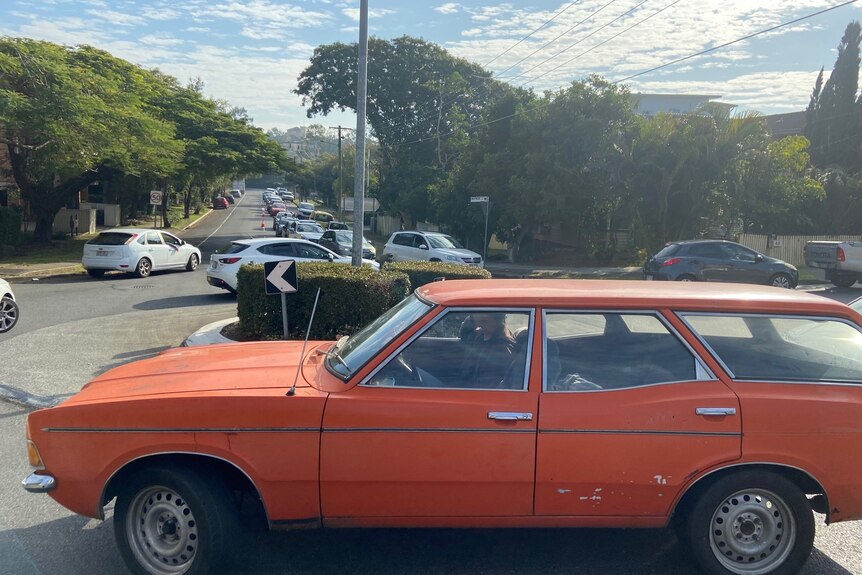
{"x":421,"y":272}
{"x":350,"y":298}
{"x":10,"y":226}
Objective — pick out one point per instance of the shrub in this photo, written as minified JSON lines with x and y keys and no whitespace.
{"x":350,"y":298}
{"x":10,"y":226}
{"x":421,"y":272}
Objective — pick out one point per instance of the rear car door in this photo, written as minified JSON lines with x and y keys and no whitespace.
{"x":710,"y":260}
{"x":628,"y":413}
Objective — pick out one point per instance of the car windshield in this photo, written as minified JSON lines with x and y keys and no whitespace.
{"x":350,"y":353}
{"x":313,"y":228}
{"x":441,"y":241}
{"x":110,"y":239}
{"x":305,"y":206}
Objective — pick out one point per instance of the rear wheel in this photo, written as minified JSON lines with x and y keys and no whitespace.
{"x":175,"y":522}
{"x":843,"y":280}
{"x":193,"y":262}
{"x":144,"y":267}
{"x":781,"y":280}
{"x":8,"y":314}
{"x":751,"y":523}
{"x":96,"y":273}
{"x":686,"y":278}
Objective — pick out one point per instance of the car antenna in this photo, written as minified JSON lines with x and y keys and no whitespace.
{"x":292,"y":390}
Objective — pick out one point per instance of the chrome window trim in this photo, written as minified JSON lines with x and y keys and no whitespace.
{"x":531,"y":329}
{"x":682,"y":317}
{"x":701,"y":371}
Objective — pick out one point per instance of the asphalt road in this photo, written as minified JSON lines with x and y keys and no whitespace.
{"x":72,"y":329}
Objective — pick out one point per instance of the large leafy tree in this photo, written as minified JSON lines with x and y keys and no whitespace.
{"x":72,"y":116}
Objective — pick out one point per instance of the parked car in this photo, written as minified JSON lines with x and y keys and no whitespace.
{"x":236,"y":193}
{"x":138,"y":251}
{"x":306,"y":230}
{"x":620,"y":404}
{"x":230,"y":199}
{"x":9,"y":312}
{"x":430,"y":246}
{"x":286,"y":195}
{"x":718,"y":261}
{"x":341,"y":242}
{"x":339,"y":226}
{"x":219,"y":203}
{"x":842,"y":261}
{"x":275,"y":207}
{"x":305,"y":210}
{"x":224,"y":266}
{"x":280,"y":222}
{"x":323,"y":217}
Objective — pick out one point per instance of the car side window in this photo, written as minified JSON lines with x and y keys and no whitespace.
{"x":464,"y":350}
{"x":601,"y":351}
{"x":738,"y":253}
{"x":310,"y":252}
{"x":328,"y":236}
{"x":705,"y":251}
{"x":782,"y":348}
{"x":403,"y":240}
{"x":171,"y":240}
{"x":153,"y":238}
{"x":284,"y":250}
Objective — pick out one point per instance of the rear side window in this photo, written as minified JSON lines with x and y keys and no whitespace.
{"x":782,"y":348}
{"x":110,"y":239}
{"x":233,"y":249}
{"x":668,"y":251}
{"x":705,"y":251}
{"x":403,"y":240}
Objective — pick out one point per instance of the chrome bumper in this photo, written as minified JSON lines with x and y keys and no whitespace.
{"x":35,"y":483}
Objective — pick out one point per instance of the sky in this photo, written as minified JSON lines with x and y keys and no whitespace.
{"x":250,"y":52}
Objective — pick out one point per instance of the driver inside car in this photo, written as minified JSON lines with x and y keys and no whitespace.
{"x":488,"y":348}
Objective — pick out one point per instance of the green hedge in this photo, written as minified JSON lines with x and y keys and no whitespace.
{"x":350,"y":298}
{"x":10,"y":226}
{"x":421,"y":272}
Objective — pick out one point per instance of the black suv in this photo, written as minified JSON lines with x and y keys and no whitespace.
{"x":718,"y":261}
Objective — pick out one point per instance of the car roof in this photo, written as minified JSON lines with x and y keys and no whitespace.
{"x":261,"y":241}
{"x":138,"y":231}
{"x":636,"y":295}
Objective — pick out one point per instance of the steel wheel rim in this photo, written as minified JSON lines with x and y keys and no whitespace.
{"x":782,"y":282}
{"x":8,"y":314}
{"x":193,"y":262}
{"x":752,"y":532}
{"x":162,"y":531}
{"x":144,"y":267}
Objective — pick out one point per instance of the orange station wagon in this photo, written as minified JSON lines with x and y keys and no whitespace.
{"x":726,"y":410}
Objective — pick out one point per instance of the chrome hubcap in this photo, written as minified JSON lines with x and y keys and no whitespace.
{"x":162,"y":531}
{"x":781,"y":282}
{"x":8,"y":314}
{"x":752,"y":532}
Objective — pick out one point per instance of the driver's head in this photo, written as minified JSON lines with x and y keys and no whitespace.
{"x":490,"y":323}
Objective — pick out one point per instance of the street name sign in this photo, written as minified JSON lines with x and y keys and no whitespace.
{"x":478,"y":199}
{"x":156,"y":198}
{"x":280,"y":277}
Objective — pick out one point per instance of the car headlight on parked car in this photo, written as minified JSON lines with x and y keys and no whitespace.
{"x":453,"y":259}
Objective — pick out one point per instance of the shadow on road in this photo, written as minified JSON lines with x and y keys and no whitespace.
{"x":185,"y":301}
{"x":128,"y":357}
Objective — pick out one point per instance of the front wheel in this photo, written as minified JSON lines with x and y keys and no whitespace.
{"x":193,"y":262}
{"x":751,"y":523}
{"x":8,"y":314}
{"x":143,"y":268}
{"x":175,"y":522}
{"x":781,"y":280}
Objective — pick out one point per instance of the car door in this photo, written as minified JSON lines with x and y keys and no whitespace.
{"x":327,"y":240}
{"x":628,"y":414}
{"x":398,"y":245}
{"x":157,"y":251}
{"x":309,"y":252}
{"x":275,"y":251}
{"x":710,"y":260}
{"x":744,"y":266}
{"x":177,"y":254}
{"x":421,"y":436}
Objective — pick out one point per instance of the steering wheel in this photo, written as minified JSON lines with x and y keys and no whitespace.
{"x":403,"y":373}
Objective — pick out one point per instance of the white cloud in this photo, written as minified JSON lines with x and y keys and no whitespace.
{"x":117,"y":18}
{"x":160,"y":40}
{"x":353,"y":13}
{"x":198,"y":29}
{"x":264,"y":13}
{"x":161,"y":13}
{"x":448,"y":8}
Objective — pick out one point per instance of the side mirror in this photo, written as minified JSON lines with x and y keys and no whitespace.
{"x":758,"y":258}
{"x":423,"y":247}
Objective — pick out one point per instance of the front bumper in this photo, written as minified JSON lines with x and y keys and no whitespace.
{"x":35,"y":483}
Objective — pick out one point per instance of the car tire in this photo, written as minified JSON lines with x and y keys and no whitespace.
{"x":167,"y":519}
{"x":96,"y":273}
{"x":782,"y":280}
{"x":750,"y":522}
{"x":144,"y":267}
{"x":193,"y":262}
{"x":843,"y":280}
{"x":8,"y":314}
{"x":434,"y":260}
{"x":686,"y":278}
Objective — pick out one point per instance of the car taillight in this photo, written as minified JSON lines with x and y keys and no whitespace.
{"x":131,"y":239}
{"x":840,"y":254}
{"x":229,"y":260}
{"x":670,"y":262}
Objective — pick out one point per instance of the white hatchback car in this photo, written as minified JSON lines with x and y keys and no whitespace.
{"x":8,"y":307}
{"x":224,"y":266}
{"x":138,"y":251}
{"x":428,"y":246}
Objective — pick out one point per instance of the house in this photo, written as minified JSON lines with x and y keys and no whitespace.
{"x":676,"y":104}
{"x":783,"y":125}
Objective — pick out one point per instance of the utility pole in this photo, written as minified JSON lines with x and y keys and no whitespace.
{"x":361,"y":94}
{"x":340,"y":179}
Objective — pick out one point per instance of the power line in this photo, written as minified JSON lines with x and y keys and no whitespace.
{"x":653,"y":69}
{"x":516,"y":44}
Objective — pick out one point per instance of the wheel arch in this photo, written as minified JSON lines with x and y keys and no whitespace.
{"x":805,"y":481}
{"x":234,"y":475}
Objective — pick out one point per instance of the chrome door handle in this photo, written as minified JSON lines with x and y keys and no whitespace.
{"x":510,"y":416}
{"x":715,"y":411}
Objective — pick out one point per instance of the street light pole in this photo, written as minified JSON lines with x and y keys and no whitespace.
{"x":361,"y":96}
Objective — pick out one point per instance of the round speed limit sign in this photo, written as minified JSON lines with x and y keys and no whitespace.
{"x":156,"y":198}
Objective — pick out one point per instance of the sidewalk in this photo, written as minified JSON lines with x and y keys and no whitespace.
{"x":508,"y":270}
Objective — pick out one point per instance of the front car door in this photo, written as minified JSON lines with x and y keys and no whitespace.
{"x":445,"y":427}
{"x":627,"y":415}
{"x":176,"y":256}
{"x":743,"y":265}
{"x":157,"y":251}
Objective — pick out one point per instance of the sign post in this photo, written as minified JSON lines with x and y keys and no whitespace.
{"x":486,"y":207}
{"x":155,"y":200}
{"x":279,"y":277}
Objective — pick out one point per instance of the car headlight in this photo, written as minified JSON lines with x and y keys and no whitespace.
{"x":453,"y":259}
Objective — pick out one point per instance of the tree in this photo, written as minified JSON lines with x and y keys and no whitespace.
{"x":72,"y":116}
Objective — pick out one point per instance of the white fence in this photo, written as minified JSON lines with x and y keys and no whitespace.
{"x":386,"y":225}
{"x":787,"y":248}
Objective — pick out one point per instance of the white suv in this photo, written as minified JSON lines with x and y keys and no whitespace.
{"x":429,"y":246}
